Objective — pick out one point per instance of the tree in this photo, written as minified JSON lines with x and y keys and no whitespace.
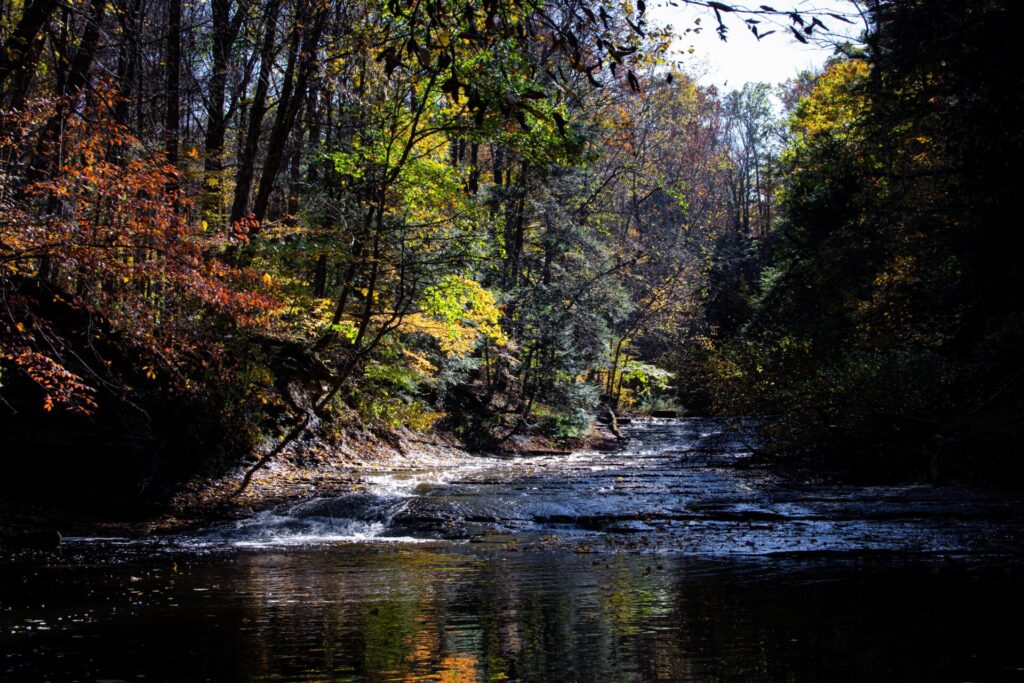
{"x":877,"y":328}
{"x":110,"y":230}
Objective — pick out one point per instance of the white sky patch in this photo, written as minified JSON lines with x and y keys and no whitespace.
{"x":742,"y":58}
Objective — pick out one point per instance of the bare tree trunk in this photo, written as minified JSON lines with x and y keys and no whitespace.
{"x":292,"y":94}
{"x":224,"y":33}
{"x":258,"y":109}
{"x":172,"y":117}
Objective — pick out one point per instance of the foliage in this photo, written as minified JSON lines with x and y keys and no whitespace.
{"x":496,"y":216}
{"x":873,"y":330}
{"x":458,"y":312}
{"x":104,"y":223}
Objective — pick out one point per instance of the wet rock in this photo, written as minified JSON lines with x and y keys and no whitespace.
{"x":670,"y":485}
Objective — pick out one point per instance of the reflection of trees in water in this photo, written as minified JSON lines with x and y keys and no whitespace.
{"x":416,"y":614}
{"x":419,"y":615}
{"x":378,"y":614}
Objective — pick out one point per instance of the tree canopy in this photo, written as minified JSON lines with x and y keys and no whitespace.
{"x":287,"y":217}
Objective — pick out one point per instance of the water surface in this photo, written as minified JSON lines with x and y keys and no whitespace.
{"x":669,"y":560}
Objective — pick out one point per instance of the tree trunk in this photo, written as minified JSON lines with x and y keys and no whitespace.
{"x":292,"y":94}
{"x":224,"y":33}
{"x":172,"y":116}
{"x":247,"y":158}
{"x":19,"y":51}
{"x":127,"y":56}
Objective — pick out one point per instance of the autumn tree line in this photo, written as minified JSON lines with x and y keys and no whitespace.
{"x":232,"y":225}
{"x":878,"y":323}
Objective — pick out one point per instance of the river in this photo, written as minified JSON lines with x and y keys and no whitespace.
{"x":673,"y":558}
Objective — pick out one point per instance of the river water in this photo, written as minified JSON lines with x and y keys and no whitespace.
{"x":670,"y":559}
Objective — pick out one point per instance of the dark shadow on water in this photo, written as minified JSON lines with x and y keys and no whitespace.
{"x":444,"y":612}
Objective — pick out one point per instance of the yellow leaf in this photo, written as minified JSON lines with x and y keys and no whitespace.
{"x":267,"y":280}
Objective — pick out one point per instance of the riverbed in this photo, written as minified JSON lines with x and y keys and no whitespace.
{"x":675,"y":557}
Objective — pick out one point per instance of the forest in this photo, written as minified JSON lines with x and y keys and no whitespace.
{"x":231,"y":229}
{"x":506,"y":341}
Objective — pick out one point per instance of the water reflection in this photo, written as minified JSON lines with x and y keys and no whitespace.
{"x":444,"y":613}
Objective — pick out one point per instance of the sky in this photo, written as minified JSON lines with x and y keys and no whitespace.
{"x":742,"y":57}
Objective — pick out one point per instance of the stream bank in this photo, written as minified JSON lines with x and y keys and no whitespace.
{"x":673,"y":557}
{"x":312,"y":467}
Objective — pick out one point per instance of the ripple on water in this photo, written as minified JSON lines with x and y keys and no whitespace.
{"x":659,"y":562}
